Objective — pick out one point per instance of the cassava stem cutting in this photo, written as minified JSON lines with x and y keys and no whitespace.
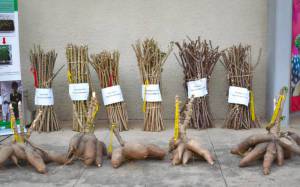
{"x":42,"y":67}
{"x":237,"y":61}
{"x":150,"y":60}
{"x":78,"y":72}
{"x":198,"y":59}
{"x":106,"y":64}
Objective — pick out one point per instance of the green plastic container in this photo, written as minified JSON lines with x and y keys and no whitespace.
{"x":6,"y":124}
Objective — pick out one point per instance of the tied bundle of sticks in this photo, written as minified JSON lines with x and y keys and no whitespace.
{"x":198,"y":59}
{"x":237,"y":61}
{"x":42,"y":66}
{"x":78,"y":72}
{"x":275,"y":145}
{"x":106,"y":64}
{"x":22,"y":150}
{"x":150,"y":60}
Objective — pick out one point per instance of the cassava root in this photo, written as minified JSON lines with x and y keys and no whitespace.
{"x":30,"y":153}
{"x":86,"y":147}
{"x":134,"y":151}
{"x":273,"y":146}
{"x":184,"y":149}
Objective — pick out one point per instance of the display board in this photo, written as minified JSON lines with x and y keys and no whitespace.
{"x":10,"y":70}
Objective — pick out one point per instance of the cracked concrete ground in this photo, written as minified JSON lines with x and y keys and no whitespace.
{"x":151,"y":172}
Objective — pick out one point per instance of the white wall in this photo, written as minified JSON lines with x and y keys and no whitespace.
{"x":116,"y":24}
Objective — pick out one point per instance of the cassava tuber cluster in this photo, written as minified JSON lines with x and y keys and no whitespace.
{"x":134,"y":151}
{"x":273,"y":146}
{"x":35,"y":156}
{"x":183,"y":148}
{"x":22,"y":150}
{"x":84,"y":145}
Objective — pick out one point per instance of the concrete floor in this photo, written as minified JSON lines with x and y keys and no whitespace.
{"x":155,"y":173}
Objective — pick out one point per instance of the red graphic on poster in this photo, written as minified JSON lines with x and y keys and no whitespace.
{"x":295,"y":72}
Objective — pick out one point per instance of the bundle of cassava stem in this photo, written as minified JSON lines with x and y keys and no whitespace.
{"x":183,"y":148}
{"x":42,"y":67}
{"x":78,"y":73}
{"x":198,"y":59}
{"x":134,"y":151}
{"x":106,"y":64}
{"x":237,"y":61}
{"x":150,"y":60}
{"x":84,"y":145}
{"x":273,"y":146}
{"x":22,"y":150}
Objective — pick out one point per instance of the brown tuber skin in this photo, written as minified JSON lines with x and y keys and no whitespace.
{"x":86,"y":147}
{"x":24,"y":150}
{"x":274,"y":145}
{"x":34,"y":155}
{"x":269,"y":158}
{"x":183,"y":149}
{"x":135,"y":151}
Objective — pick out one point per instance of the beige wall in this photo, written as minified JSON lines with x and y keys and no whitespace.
{"x":116,"y":24}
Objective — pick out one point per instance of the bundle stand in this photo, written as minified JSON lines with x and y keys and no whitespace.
{"x":273,"y":146}
{"x":150,"y":60}
{"x":78,"y":72}
{"x":42,"y":66}
{"x":198,"y":59}
{"x":21,"y":149}
{"x":183,"y":148}
{"x":237,"y":61}
{"x":106,"y":64}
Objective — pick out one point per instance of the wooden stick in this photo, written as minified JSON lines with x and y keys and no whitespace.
{"x":237,"y":61}
{"x":198,"y":59}
{"x":150,"y":60}
{"x":106,"y":64}
{"x":43,"y":67}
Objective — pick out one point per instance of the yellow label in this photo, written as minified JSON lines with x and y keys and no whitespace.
{"x":69,"y":76}
{"x":276,"y":111}
{"x":252,"y":109}
{"x":12,"y":123}
{"x":95,"y":112}
{"x":144,"y":103}
{"x":176,"y":121}
{"x":111,"y":133}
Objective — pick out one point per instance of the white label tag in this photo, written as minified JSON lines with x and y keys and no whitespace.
{"x":197,"y":88}
{"x":152,"y":93}
{"x":112,"y":95}
{"x":43,"y":96}
{"x":238,"y":95}
{"x":79,"y":92}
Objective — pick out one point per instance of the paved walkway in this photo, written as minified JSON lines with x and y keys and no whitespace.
{"x":156,"y":173}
